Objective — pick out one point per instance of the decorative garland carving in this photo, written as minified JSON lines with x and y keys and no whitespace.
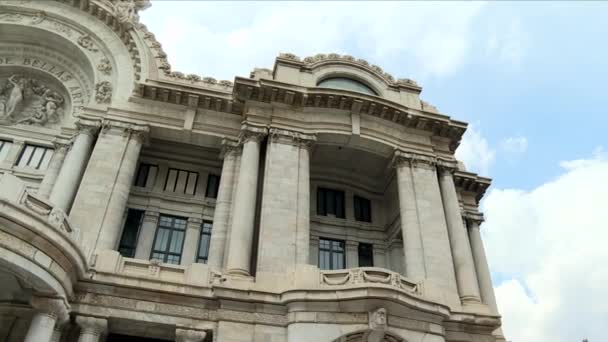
{"x":105,"y":66}
{"x":103,"y":92}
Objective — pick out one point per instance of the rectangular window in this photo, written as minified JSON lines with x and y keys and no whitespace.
{"x":213,"y":184}
{"x":169,"y":239}
{"x":5,"y":147}
{"x":330,"y":202}
{"x":181,"y":181}
{"x":366,"y":255}
{"x":146,"y":175}
{"x":203,"y":242}
{"x":363,"y":209}
{"x":331,"y":254}
{"x":37,"y":157}
{"x":128,"y":241}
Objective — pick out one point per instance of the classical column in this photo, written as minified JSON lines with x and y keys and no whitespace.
{"x":303,"y":219}
{"x":68,"y":179}
{"x":100,"y":202}
{"x":50,"y":311}
{"x":193,"y":231}
{"x":483,"y":270}
{"x":459,"y":242}
{"x":188,"y":335}
{"x":285,"y":213}
{"x":223,"y":203}
{"x":146,"y":234}
{"x":57,"y":331}
{"x":51,"y":173}
{"x":112,"y":222}
{"x":410,"y":223}
{"x":91,"y":328}
{"x":241,"y":239}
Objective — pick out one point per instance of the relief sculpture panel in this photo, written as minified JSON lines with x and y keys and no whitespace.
{"x":28,"y":100}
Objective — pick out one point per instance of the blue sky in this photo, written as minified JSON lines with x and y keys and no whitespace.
{"x":530,"y":78}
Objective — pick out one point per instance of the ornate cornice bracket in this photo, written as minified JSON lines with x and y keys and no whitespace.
{"x":285,"y":136}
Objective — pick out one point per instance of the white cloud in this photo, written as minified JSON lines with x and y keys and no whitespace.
{"x":515,"y":145}
{"x":507,"y":44}
{"x":475,"y":152}
{"x":550,"y":246}
{"x":223,"y":39}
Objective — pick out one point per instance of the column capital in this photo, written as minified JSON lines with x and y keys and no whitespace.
{"x":446,"y":166}
{"x":139,"y":132}
{"x":125,"y":129}
{"x":189,"y":335}
{"x":228,"y":147}
{"x":61,"y":145}
{"x":286,"y":136}
{"x":88,"y":127}
{"x":92,"y":325}
{"x":57,"y":308}
{"x":413,"y":159}
{"x":252,"y":132}
{"x":473,"y":219}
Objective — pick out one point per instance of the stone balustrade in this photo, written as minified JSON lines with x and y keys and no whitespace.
{"x":368,"y":276}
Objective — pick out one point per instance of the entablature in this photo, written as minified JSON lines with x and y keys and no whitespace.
{"x":471,"y":182}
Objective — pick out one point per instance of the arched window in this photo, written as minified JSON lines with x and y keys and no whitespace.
{"x":347,"y":84}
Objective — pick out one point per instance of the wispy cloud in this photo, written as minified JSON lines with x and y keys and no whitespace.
{"x":475,"y":152}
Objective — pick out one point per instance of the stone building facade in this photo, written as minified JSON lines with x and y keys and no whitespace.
{"x":317,"y":201}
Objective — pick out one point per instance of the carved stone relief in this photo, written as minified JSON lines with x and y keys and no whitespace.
{"x":103,"y":92}
{"x":28,"y":100}
{"x":105,"y":66}
{"x":87,"y":42}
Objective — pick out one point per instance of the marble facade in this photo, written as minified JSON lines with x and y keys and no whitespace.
{"x":138,"y":203}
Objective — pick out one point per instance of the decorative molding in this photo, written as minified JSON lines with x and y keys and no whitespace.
{"x":367,"y":276}
{"x":103,"y":92}
{"x":284,"y":136}
{"x":55,"y":307}
{"x":252,"y":132}
{"x":88,"y":127}
{"x":412,"y":159}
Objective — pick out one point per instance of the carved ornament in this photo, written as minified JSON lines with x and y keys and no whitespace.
{"x":104,"y":66}
{"x":411,"y":159}
{"x":29,"y":101}
{"x":304,"y":140}
{"x":251,"y":132}
{"x":377,"y":319}
{"x":103,"y":92}
{"x":87,"y":42}
{"x":56,"y":307}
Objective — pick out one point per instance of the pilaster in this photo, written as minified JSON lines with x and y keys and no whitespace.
{"x":146,"y":234}
{"x":191,"y":240}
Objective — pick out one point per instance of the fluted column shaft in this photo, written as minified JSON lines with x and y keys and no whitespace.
{"x":68,"y":179}
{"x":410,"y":224}
{"x":111,"y":228}
{"x":303,"y":228}
{"x":459,"y":241}
{"x":241,"y":239}
{"x":50,"y":176}
{"x":223,"y":204}
{"x":483,"y":271}
{"x":91,"y":328}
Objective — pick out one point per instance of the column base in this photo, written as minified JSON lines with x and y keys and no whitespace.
{"x":470,"y":300}
{"x":239,"y":272}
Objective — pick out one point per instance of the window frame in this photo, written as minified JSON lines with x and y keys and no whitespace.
{"x":166,"y":252}
{"x":174,"y":186}
{"x":35,"y":148}
{"x":146,"y":179}
{"x":216,"y":190}
{"x":323,"y":198}
{"x":361,"y":203}
{"x":198,"y":258}
{"x":331,"y":250}
{"x":5,"y":147}
{"x":122,"y":235}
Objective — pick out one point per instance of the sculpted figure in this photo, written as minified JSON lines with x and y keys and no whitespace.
{"x":125,"y":11}
{"x":377,"y":319}
{"x":16,"y":96}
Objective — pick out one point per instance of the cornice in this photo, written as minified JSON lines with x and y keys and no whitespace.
{"x":468,"y":181}
{"x":269,"y":91}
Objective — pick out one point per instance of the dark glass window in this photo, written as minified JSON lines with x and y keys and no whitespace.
{"x":331,"y":254}
{"x":128,"y":241}
{"x":363,"y":209}
{"x":181,"y":181}
{"x":203,"y":242}
{"x":366,"y":255}
{"x":330,"y":202}
{"x":169,"y":239}
{"x":37,"y":157}
{"x":213,"y":185}
{"x":146,"y":174}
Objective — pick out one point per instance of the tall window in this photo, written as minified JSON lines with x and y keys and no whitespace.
{"x":203,"y":242}
{"x":5,"y":146}
{"x":37,"y":157}
{"x":146,"y":174}
{"x":330,"y":202}
{"x":181,"y":181}
{"x":366,"y":255}
{"x":363,"y":209}
{"x":128,"y":241}
{"x":331,"y":254}
{"x":213,"y":185}
{"x":169,"y":239}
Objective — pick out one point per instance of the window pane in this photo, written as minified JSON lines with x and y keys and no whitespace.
{"x":173,"y":259}
{"x":36,"y":158}
{"x":366,"y":255}
{"x":5,"y":147}
{"x":330,"y":202}
{"x":161,"y":239}
{"x":46,"y":159}
{"x":153,"y":170}
{"x":171,"y":179}
{"x":128,"y":241}
{"x":321,"y":202}
{"x":324,"y":260}
{"x":142,"y":175}
{"x":177,"y":239}
{"x":191,"y":184}
{"x":25,"y":156}
{"x":339,"y":204}
{"x":213,"y":182}
{"x":182,"y":178}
